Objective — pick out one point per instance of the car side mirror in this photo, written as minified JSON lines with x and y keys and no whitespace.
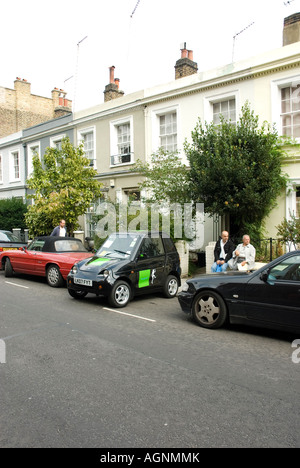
{"x":142,"y":256}
{"x":264,"y":276}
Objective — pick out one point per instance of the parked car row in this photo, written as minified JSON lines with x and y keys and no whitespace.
{"x":133,"y":263}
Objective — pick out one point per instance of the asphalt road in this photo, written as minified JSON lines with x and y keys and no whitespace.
{"x":80,"y":374}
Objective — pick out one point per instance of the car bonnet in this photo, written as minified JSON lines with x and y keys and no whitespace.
{"x":95,"y":263}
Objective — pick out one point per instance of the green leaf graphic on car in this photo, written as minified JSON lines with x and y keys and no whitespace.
{"x":144,"y":278}
{"x":100,"y":260}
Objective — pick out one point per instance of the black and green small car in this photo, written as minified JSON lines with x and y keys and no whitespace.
{"x":128,"y":264}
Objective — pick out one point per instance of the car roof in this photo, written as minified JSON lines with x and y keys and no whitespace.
{"x":50,"y":241}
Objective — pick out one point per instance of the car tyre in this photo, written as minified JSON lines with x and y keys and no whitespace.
{"x":120,"y":294}
{"x":54,"y":278}
{"x":171,"y":286}
{"x":8,"y":269}
{"x":209,"y":310}
{"x":77,"y":294}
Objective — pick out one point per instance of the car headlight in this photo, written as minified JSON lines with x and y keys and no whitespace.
{"x":74,"y":269}
{"x":105,"y":273}
{"x":185,"y":287}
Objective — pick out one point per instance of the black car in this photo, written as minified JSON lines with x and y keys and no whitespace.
{"x":128,"y":264}
{"x":268,"y":297}
{"x":8,"y":241}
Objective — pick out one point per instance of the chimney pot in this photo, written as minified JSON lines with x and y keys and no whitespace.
{"x":111,"y":74}
{"x":190,"y":54}
{"x":184,"y":53}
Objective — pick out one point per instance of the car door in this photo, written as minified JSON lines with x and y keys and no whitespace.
{"x":275,"y":295}
{"x":150,"y":265}
{"x":27,"y":263}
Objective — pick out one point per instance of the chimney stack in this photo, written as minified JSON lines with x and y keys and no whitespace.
{"x":185,"y":65}
{"x":112,"y":89}
{"x":291,"y":29}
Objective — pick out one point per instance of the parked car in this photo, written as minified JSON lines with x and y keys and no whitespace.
{"x":47,"y":256}
{"x":268,"y":297}
{"x":128,"y":264}
{"x":8,"y":241}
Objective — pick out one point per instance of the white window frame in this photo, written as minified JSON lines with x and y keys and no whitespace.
{"x":291,"y":208}
{"x":156,"y":115}
{"x":276,"y":87}
{"x":30,"y":150}
{"x":12,"y":154}
{"x":209,"y":101}
{"x":1,"y":168}
{"x":114,"y":148}
{"x":56,"y":139}
{"x":80,"y":138}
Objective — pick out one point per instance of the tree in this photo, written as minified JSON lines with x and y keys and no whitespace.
{"x":236,"y":170}
{"x":12,"y":212}
{"x":167,"y":184}
{"x":289,"y":231}
{"x":64,"y":187}
{"x":166,"y":178}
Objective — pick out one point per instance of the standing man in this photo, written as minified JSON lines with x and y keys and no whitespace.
{"x":223,"y":252}
{"x":244,"y":255}
{"x":60,"y":230}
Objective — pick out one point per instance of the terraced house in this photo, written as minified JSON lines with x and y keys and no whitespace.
{"x":124,"y":128}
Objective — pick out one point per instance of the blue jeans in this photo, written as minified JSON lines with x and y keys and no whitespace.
{"x":214,"y":267}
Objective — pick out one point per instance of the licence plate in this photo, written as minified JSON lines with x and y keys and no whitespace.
{"x":83,"y":282}
{"x":9,"y":248}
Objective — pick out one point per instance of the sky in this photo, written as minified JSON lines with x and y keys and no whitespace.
{"x":70,"y":44}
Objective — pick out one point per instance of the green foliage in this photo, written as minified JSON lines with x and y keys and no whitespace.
{"x":64,"y":187}
{"x":166,"y":178}
{"x":289,"y":231}
{"x":236,"y":170}
{"x":12,"y":214}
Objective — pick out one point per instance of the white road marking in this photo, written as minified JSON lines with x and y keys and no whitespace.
{"x":130,"y":315}
{"x":15,"y":284}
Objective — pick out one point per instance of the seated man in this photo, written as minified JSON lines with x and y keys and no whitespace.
{"x":243,"y":257}
{"x":223,"y":252}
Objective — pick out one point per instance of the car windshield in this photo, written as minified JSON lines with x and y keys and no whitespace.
{"x":119,"y":245}
{"x":8,"y":237}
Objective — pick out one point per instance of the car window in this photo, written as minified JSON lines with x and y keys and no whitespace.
{"x":8,"y":237}
{"x":288,"y":270}
{"x":69,"y":245}
{"x":118,"y":245}
{"x":36,"y":245}
{"x":152,"y":247}
{"x":169,"y":245}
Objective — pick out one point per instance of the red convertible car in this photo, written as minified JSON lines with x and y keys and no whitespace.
{"x":52,"y":257}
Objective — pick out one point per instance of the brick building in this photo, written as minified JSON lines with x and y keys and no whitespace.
{"x":19,"y":109}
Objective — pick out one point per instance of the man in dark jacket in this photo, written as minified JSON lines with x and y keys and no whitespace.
{"x":223,"y":252}
{"x":60,"y":230}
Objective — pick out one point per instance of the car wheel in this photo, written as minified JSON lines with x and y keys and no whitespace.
{"x":54,"y":278}
{"x":8,"y":269}
{"x":209,"y":310}
{"x":120,"y":294}
{"x":77,"y":294}
{"x":171,"y":286}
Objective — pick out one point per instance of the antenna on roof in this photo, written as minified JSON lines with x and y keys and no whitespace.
{"x":137,"y":4}
{"x":237,"y":34}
